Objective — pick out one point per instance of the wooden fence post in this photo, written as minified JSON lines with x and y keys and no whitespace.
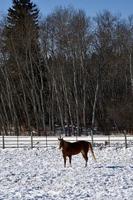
{"x":31,"y":140}
{"x":92,"y":136}
{"x":125,"y":135}
{"x":3,"y":141}
{"x":109,"y":139}
{"x":17,"y":141}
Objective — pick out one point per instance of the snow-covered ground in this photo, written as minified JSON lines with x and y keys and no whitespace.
{"x":39,"y":174}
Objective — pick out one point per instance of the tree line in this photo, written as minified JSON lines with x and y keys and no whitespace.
{"x":66,"y":69}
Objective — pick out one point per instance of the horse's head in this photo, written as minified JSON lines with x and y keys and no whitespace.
{"x":61,"y":142}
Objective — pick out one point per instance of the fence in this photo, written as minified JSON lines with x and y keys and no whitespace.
{"x":39,"y":142}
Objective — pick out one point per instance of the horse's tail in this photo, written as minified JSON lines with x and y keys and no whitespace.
{"x":91,"y":148}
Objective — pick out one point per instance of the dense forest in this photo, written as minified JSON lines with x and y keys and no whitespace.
{"x":66,"y":69}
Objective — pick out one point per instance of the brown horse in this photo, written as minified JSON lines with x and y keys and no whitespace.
{"x":69,"y":149}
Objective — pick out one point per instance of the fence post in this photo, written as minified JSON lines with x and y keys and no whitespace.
{"x":46,"y":139}
{"x":17,"y":141}
{"x":92,"y":138}
{"x":3,"y":141}
{"x":125,"y":135}
{"x":109,"y":139}
{"x":31,"y":140}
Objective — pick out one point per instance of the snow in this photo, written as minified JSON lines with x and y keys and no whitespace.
{"x":39,"y":174}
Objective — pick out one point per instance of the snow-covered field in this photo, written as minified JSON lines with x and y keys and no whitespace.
{"x":39,"y":174}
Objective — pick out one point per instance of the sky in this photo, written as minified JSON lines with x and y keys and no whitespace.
{"x":91,"y":7}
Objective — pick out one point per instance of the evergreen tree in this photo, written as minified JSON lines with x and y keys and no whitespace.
{"x":22,"y":30}
{"x":23,"y":59}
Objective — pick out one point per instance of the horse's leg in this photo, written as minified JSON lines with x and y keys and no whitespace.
{"x":64,"y":160}
{"x":84,"y":154}
{"x":70,"y":159}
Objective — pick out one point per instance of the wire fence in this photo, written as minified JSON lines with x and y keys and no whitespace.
{"x":40,"y":141}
